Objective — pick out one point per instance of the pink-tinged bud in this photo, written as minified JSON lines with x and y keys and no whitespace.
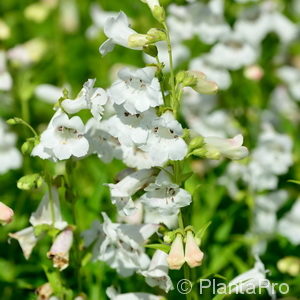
{"x":6,"y":213}
{"x":193,"y":254}
{"x":254,"y":72}
{"x":59,"y":252}
{"x":176,"y":254}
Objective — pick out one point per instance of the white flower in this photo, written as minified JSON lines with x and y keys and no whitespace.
{"x":137,"y":90}
{"x":274,"y":151}
{"x":122,"y":191}
{"x":165,"y":142}
{"x":27,"y":53}
{"x":101,"y":142}
{"x":164,"y":196}
{"x":130,"y":129}
{"x":289,"y":224}
{"x":26,"y":239}
{"x":232,"y":53}
{"x":291,"y":77}
{"x":135,"y":157}
{"x":153,"y":217}
{"x":6,"y":213}
{"x":5,"y":77}
{"x":217,"y":74}
{"x":59,"y":252}
{"x":121,"y":245}
{"x":253,"y":278}
{"x":48,"y":93}
{"x":229,"y":148}
{"x":113,"y":295}
{"x":157,"y":273}
{"x":202,"y":117}
{"x":48,"y":206}
{"x":10,"y":157}
{"x":88,"y":98}
{"x":99,"y":17}
{"x":63,"y":138}
{"x":118,"y":30}
{"x":266,"y":206}
{"x":254,"y":25}
{"x":136,"y":217}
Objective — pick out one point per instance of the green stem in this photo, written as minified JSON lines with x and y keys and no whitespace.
{"x":172,"y":77}
{"x":77,"y":253}
{"x":161,"y":82}
{"x":186,"y":272}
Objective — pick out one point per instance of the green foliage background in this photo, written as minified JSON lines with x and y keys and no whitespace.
{"x":72,"y":58}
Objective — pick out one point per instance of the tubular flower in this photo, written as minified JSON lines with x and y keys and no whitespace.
{"x":59,"y":252}
{"x":6,"y":213}
{"x":176,"y":254}
{"x":193,"y":255}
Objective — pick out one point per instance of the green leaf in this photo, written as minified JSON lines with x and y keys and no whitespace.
{"x":294,"y":181}
{"x":202,"y":230}
{"x":162,"y":247}
{"x":219,"y":297}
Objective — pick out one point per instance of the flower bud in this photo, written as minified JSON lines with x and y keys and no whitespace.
{"x":159,"y":13}
{"x":229,"y":148}
{"x":6,"y":213}
{"x":156,"y":35}
{"x":254,"y":72}
{"x":29,"y":182}
{"x":14,"y":121}
{"x":196,"y":142}
{"x":202,"y":85}
{"x":193,"y":254}
{"x":176,"y":254}
{"x":59,"y":252}
{"x":138,"y":40}
{"x":27,"y":147}
{"x":289,"y":265}
{"x":201,"y":152}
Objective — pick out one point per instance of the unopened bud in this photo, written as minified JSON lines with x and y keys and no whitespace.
{"x":14,"y":121}
{"x":201,"y":84}
{"x":159,"y":13}
{"x":28,"y":182}
{"x":27,"y":147}
{"x":6,"y":213}
{"x":156,"y":35}
{"x":196,"y":142}
{"x":289,"y":265}
{"x":193,"y":255}
{"x":176,"y":255}
{"x":138,"y":40}
{"x":201,"y":152}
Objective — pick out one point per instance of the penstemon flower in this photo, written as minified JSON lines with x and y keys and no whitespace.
{"x":122,"y":191}
{"x":6,"y":213}
{"x":157,"y":274}
{"x":59,"y":252}
{"x":118,"y":31}
{"x":176,"y":255}
{"x":193,"y":255}
{"x":137,"y":90}
{"x":48,"y":212}
{"x":62,"y":139}
{"x":120,"y":245}
{"x":90,"y":98}
{"x":27,"y":240}
{"x":229,"y":148}
{"x":165,"y":197}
